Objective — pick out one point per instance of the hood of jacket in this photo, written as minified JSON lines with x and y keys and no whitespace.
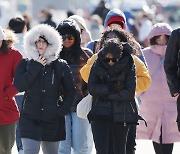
{"x":69,"y":26}
{"x":160,"y":29}
{"x":115,"y":13}
{"x":51,"y":35}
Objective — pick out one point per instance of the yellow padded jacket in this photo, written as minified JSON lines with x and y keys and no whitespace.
{"x":143,"y":78}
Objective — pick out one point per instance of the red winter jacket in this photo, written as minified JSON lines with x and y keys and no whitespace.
{"x":8,"y":108}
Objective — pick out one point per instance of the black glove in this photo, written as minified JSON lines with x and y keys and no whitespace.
{"x":115,"y":86}
{"x":118,"y":86}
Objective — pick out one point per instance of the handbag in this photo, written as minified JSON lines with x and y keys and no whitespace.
{"x":84,"y":106}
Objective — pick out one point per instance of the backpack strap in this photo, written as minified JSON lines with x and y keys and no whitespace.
{"x":157,"y":68}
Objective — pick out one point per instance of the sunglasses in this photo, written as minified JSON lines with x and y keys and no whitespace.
{"x":67,"y":36}
{"x":114,"y":60}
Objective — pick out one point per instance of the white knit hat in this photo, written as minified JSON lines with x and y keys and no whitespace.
{"x":1,"y":34}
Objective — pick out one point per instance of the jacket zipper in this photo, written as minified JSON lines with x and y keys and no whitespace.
{"x":125,"y":114}
{"x":52,"y":77}
{"x":132,"y":107}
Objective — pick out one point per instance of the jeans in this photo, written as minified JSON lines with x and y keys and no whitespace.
{"x":19,"y":99}
{"x":79,"y":138}
{"x":7,"y":138}
{"x":33,"y":146}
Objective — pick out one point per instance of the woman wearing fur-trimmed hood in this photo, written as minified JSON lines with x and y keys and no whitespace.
{"x":44,"y":78}
{"x":52,"y":37}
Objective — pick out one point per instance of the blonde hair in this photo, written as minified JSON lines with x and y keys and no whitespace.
{"x":10,"y":37}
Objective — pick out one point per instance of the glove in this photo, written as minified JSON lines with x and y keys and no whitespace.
{"x":118,"y":86}
{"x":115,"y":86}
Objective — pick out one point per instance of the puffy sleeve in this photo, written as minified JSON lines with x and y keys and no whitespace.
{"x":85,"y":70}
{"x":171,"y":62}
{"x":26,"y":73}
{"x":143,"y":78}
{"x":11,"y":91}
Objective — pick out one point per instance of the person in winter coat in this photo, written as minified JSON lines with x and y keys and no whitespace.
{"x":49,"y":91}
{"x":143,"y":79}
{"x":101,"y":10}
{"x":18,"y":25}
{"x":158,"y":107}
{"x":9,"y":114}
{"x":78,"y":131}
{"x":115,"y":19}
{"x":85,"y":33}
{"x":45,"y":17}
{"x":112,"y":84}
{"x":172,"y":68}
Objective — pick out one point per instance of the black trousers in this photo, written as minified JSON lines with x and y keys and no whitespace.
{"x":130,"y":144}
{"x":131,"y":140}
{"x":163,"y":148}
{"x":102,"y":130}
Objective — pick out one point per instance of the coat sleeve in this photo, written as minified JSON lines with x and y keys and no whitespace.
{"x":25,"y":75}
{"x":143,"y":78}
{"x":127,"y":94}
{"x":11,"y":91}
{"x":68,"y":89}
{"x":95,"y":87}
{"x":85,"y":70}
{"x":171,"y":60}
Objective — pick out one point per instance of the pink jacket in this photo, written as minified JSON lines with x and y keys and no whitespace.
{"x":157,"y":106}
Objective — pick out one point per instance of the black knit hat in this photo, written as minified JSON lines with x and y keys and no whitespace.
{"x":68,"y":26}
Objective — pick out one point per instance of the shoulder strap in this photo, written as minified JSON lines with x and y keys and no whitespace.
{"x":157,"y":68}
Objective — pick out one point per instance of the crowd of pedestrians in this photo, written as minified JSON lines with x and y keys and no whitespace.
{"x":47,"y":69}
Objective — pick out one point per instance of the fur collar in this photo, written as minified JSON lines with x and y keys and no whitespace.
{"x":54,"y":39}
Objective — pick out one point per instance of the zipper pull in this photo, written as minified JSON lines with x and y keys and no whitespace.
{"x":52,"y":77}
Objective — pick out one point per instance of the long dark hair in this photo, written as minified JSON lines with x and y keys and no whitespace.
{"x":154,"y":42}
{"x":4,"y":47}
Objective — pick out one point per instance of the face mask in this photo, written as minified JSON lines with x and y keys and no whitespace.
{"x":159,"y":49}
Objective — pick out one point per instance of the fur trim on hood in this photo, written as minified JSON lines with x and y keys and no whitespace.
{"x":51,"y":35}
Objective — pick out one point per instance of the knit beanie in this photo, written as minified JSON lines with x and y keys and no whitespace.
{"x":1,"y":34}
{"x":116,"y":19}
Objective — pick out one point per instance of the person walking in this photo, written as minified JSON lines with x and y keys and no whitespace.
{"x":101,"y":10}
{"x":18,"y":26}
{"x":49,"y":91}
{"x":85,"y":33}
{"x":78,"y":130}
{"x":143,"y":79}
{"x":172,"y":70}
{"x":158,"y":107}
{"x":112,"y":84}
{"x":9,"y":114}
